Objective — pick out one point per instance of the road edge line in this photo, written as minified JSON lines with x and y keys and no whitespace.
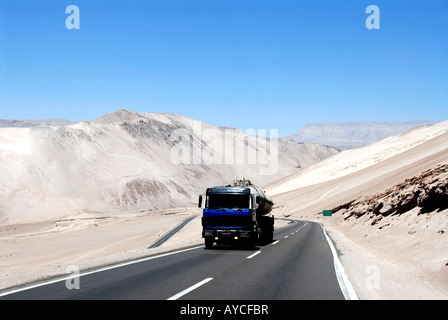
{"x":344,"y":283}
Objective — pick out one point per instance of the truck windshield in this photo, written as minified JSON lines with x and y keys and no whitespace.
{"x":230,"y":201}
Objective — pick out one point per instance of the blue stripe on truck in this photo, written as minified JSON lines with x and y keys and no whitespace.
{"x":226,"y":212}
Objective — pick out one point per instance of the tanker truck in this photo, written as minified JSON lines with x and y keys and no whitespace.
{"x":236,"y":213}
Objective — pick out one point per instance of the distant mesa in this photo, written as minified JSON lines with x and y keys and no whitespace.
{"x":26,"y":123}
{"x":349,"y":135}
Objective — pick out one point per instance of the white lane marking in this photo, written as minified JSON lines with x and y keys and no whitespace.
{"x":297,"y":230}
{"x":344,"y":283}
{"x":253,"y":255}
{"x":193,"y":287}
{"x":302,"y":226}
{"x":275,"y":242}
{"x":41,"y":284}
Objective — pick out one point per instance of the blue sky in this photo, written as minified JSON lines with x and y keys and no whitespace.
{"x":260,"y":64}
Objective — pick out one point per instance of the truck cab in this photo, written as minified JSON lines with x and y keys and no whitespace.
{"x":232,"y":214}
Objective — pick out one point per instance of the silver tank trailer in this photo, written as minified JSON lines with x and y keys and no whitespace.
{"x":264,"y":201}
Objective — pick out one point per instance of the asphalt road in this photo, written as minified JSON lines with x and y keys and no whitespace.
{"x":298,"y":264}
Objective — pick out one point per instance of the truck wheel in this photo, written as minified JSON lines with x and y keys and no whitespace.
{"x":208,"y":243}
{"x":271,"y":235}
{"x":251,"y":242}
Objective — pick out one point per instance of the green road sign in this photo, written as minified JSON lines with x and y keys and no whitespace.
{"x":327,"y":213}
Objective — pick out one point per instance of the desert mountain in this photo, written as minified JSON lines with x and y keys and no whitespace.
{"x":348,"y":135}
{"x":133,"y":161}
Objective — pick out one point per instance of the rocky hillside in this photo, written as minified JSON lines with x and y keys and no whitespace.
{"x":425,"y":192}
{"x":406,"y":226}
{"x":132,"y":161}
